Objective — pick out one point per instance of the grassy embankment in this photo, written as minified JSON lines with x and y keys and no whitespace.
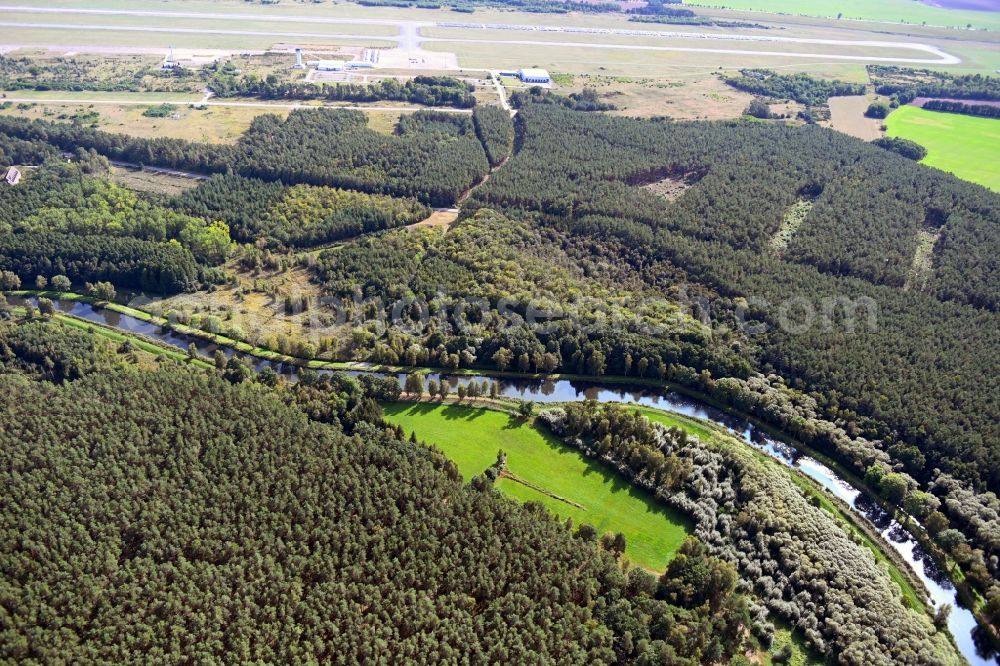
{"x":138,"y":342}
{"x":966,"y":146}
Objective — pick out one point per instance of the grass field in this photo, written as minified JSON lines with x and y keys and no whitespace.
{"x":895,"y":11}
{"x":966,"y":146}
{"x":472,"y":436}
{"x":212,"y":124}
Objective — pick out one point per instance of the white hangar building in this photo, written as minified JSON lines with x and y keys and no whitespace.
{"x":534,"y":76}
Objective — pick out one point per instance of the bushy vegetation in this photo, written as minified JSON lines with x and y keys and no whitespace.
{"x":426,"y":90}
{"x":585,"y":100}
{"x":80,"y":74}
{"x":496,"y":259}
{"x":745,"y":512}
{"x":800,"y":87}
{"x":298,"y":216}
{"x":877,"y":110}
{"x":911,"y":150}
{"x":159,"y":111}
{"x":906,"y":84}
{"x":362,"y":545}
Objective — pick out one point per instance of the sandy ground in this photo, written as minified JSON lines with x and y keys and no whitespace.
{"x":847,"y":115}
{"x":442,"y":218}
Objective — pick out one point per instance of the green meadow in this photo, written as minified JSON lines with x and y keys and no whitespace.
{"x":967,"y":146}
{"x":893,"y":11}
{"x":584,"y":490}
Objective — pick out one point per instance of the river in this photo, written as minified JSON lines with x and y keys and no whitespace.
{"x":962,"y":623}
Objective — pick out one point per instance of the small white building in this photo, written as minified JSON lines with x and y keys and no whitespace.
{"x":13,"y":176}
{"x":533,"y":75}
{"x":330,"y":65}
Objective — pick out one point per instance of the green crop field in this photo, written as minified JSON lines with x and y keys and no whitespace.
{"x":966,"y":146}
{"x":895,"y":11}
{"x":472,"y":436}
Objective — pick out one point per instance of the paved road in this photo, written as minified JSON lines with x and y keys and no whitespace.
{"x":84,"y":27}
{"x":409,"y":37}
{"x":219,"y":16}
{"x":943,"y":59}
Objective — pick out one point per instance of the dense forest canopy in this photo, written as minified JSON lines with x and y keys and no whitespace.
{"x":436,"y":159}
{"x":574,"y":171}
{"x":578,"y":173}
{"x":890,"y":368}
{"x":125,"y":536}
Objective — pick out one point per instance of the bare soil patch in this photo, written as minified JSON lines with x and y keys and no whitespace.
{"x":669,"y":188}
{"x":145,"y":181}
{"x":439,"y":219}
{"x":847,"y":115}
{"x":667,"y":182}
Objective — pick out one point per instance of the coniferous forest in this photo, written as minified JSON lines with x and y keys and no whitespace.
{"x":837,"y":291}
{"x":165,"y":516}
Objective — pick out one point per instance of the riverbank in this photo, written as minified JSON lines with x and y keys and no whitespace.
{"x":556,"y":388}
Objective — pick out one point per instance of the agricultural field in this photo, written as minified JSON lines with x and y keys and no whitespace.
{"x":589,"y":492}
{"x":966,"y":146}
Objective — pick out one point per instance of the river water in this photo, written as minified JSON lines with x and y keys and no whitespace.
{"x":962,"y":623}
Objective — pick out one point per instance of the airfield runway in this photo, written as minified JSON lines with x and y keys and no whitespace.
{"x":409,"y":38}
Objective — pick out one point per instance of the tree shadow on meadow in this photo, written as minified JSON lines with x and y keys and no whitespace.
{"x":450,"y":411}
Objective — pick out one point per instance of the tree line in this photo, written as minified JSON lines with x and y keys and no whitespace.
{"x":906,"y":84}
{"x":801,"y":87}
{"x":746,"y":510}
{"x":426,"y":90}
{"x":948,"y":106}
